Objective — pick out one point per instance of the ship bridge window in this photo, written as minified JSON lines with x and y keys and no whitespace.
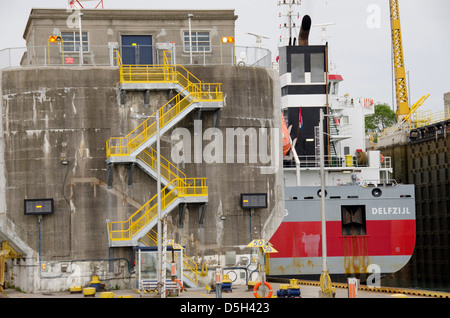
{"x":298,"y":68}
{"x":333,"y":89}
{"x":317,"y":68}
{"x":353,"y":219}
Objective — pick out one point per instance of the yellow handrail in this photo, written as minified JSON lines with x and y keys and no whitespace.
{"x":138,"y":73}
{"x":427,"y":117}
{"x":193,"y":91}
{"x":191,"y":267}
{"x":168,"y":171}
{"x":188,"y":187}
{"x":123,"y":146}
{"x":178,"y":185}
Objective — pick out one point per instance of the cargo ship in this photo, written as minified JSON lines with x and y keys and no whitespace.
{"x":370,"y":218}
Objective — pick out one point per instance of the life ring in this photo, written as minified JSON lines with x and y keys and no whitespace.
{"x":382,"y":158}
{"x":368,"y":102}
{"x":181,"y":284}
{"x":255,"y":289}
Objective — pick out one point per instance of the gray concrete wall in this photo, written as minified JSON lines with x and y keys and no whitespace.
{"x":447,"y":102}
{"x":54,"y":113}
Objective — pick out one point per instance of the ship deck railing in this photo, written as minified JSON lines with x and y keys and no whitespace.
{"x":338,"y":162}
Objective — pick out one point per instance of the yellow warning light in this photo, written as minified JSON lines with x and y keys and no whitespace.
{"x":227,"y":39}
{"x":54,"y":39}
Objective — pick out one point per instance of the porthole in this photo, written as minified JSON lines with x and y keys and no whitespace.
{"x":377,"y":192}
{"x":319,"y":193}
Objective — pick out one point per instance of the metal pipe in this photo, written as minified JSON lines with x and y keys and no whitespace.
{"x":322,"y":194}
{"x":190,"y":38}
{"x":81,"y":39}
{"x":161,"y":266}
{"x":304,"y":31}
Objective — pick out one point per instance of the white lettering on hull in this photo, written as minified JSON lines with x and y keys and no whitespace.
{"x":391,"y":210}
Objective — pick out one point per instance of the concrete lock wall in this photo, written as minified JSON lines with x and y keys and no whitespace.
{"x":51,"y":114}
{"x":425,"y":163}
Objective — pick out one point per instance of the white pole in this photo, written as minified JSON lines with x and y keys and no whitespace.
{"x":164,"y":257}
{"x":81,"y":39}
{"x":141,"y":289}
{"x":322,"y":194}
{"x":158,"y":191}
{"x":190,"y":37}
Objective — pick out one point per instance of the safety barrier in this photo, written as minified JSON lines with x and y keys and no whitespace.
{"x":193,"y":91}
{"x":126,"y":230}
{"x":124,"y":146}
{"x":168,"y":170}
{"x":103,"y":55}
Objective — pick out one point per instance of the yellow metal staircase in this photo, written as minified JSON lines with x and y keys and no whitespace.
{"x":192,"y":94}
{"x":128,"y":233}
{"x":147,"y":161}
{"x":135,"y":147}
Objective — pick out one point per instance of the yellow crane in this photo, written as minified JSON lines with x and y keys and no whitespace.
{"x":404,"y":113}
{"x":399,"y":62}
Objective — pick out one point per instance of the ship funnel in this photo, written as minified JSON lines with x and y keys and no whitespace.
{"x":304,"y":31}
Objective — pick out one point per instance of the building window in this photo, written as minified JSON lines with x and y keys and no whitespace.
{"x":353,"y":219}
{"x":201,"y":41}
{"x":72,"y":41}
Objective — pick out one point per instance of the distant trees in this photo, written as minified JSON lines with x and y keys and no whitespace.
{"x":383,"y":118}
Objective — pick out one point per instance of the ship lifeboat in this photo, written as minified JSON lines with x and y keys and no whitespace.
{"x":286,"y":138}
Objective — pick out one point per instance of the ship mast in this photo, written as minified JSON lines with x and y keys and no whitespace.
{"x":289,"y":14}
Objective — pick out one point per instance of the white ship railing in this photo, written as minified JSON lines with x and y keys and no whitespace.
{"x":337,"y":162}
{"x":380,"y":182}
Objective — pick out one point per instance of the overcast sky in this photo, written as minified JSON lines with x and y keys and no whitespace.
{"x":360,"y":41}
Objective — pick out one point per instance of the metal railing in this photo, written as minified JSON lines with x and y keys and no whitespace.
{"x":418,"y":119}
{"x":427,"y":117}
{"x":188,"y":187}
{"x":124,"y":146}
{"x":349,"y":161}
{"x":194,"y":91}
{"x":102,"y":55}
{"x":168,"y":170}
